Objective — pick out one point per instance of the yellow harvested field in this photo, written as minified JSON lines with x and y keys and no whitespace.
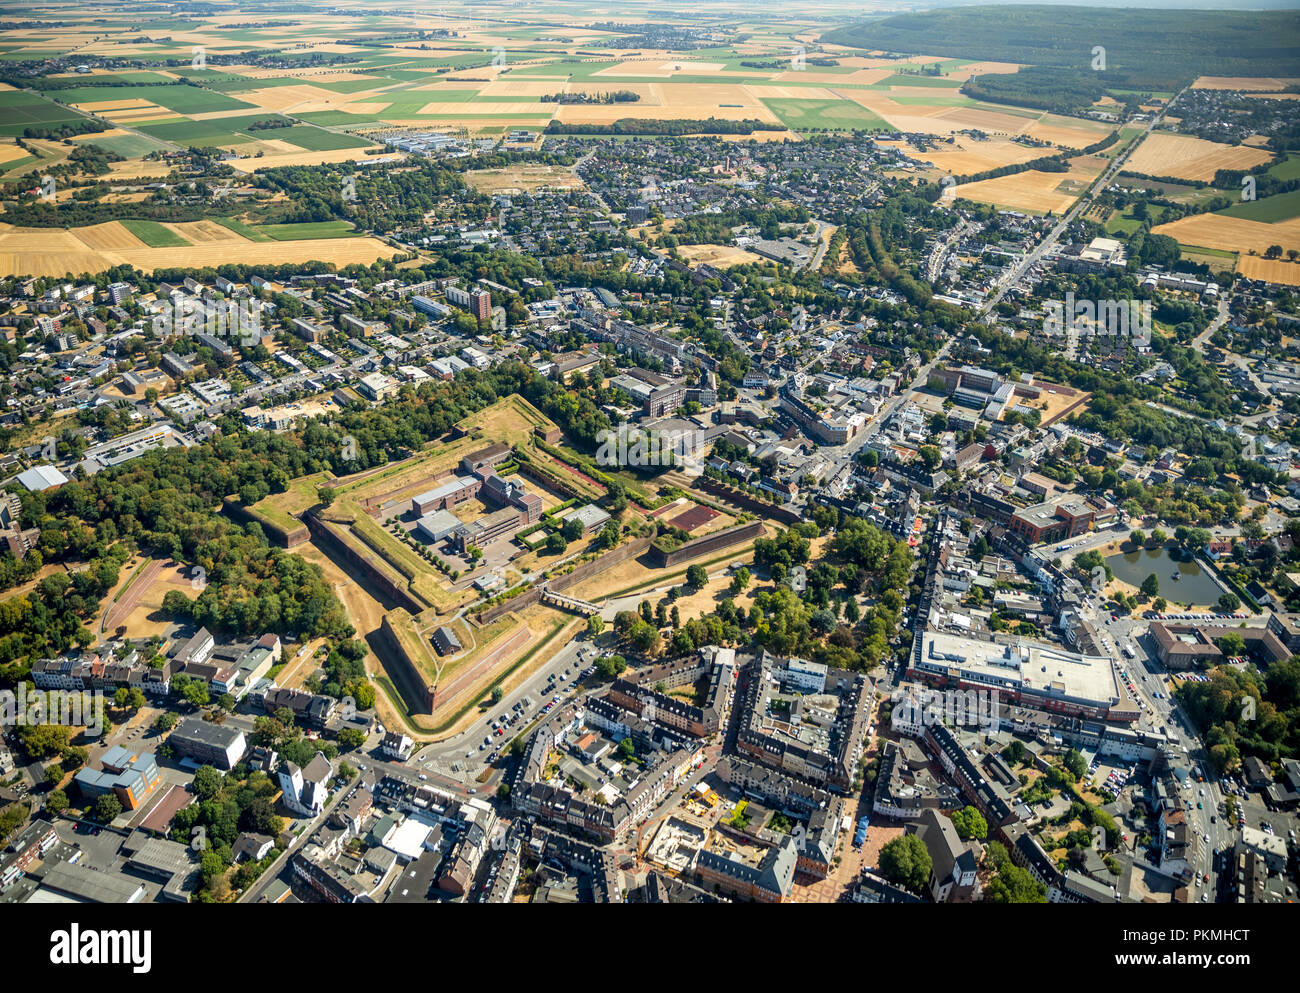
{"x":728,"y":101}
{"x":300,"y":157}
{"x":721,"y":256}
{"x":966,"y":156}
{"x":139,"y":169}
{"x":1272,"y":270}
{"x":522,"y":177}
{"x":1258,"y":83}
{"x":1039,"y":192}
{"x":109,"y":237}
{"x":99,"y":106}
{"x":1233,"y":234}
{"x":54,"y":252}
{"x":1180,"y":155}
{"x":1068,"y":132}
{"x":984,"y":120}
{"x":11,"y":152}
{"x":860,"y":77}
{"x":282,"y":98}
{"x":203,"y":232}
{"x":666,"y":70}
{"x":983,"y":68}
{"x":937,"y":119}
{"x":466,"y":109}
{"x":791,"y":92}
{"x":143,"y":115}
{"x":513,"y":87}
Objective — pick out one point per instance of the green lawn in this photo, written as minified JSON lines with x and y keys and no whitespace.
{"x":154,"y":234}
{"x":20,"y":111}
{"x":801,"y":115}
{"x":131,"y":146}
{"x":337,"y":118}
{"x":1281,"y":207}
{"x":909,"y":79}
{"x":180,"y":98}
{"x":218,"y":131}
{"x":1286,"y":169}
{"x":240,"y":228}
{"x":305,"y":232}
{"x":314,"y":139}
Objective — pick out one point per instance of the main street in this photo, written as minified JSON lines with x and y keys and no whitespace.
{"x":1099,"y":184}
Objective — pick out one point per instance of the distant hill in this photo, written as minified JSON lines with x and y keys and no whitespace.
{"x":1156,"y":49}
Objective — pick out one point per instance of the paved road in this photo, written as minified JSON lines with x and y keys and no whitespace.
{"x":1100,"y":183}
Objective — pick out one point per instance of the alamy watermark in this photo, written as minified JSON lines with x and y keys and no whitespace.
{"x":1121,"y":318}
{"x":640,"y":448}
{"x":64,"y":708}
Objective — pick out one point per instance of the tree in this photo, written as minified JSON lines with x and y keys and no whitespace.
{"x":165,"y":721}
{"x":1232,"y":645}
{"x":1138,"y":537}
{"x":1229,"y":603}
{"x":608,"y":536}
{"x":1076,"y":763}
{"x":697,"y":577}
{"x":351,"y":738}
{"x":107,"y":808}
{"x":970,"y":823}
{"x":56,"y":802}
{"x":555,"y":543}
{"x":196,"y":693}
{"x":1013,"y":884}
{"x":643,"y":637}
{"x":572,"y":528}
{"x":325,"y":494}
{"x":906,"y":862}
{"x":497,"y":694}
{"x":1151,"y":585}
{"x":930,"y":456}
{"x":207,"y":782}
{"x":740,"y":581}
{"x":595,"y":625}
{"x":610,"y":666}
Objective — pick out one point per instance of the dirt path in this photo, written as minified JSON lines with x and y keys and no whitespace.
{"x":466,"y":678}
{"x":117,"y":612}
{"x":365,"y":610}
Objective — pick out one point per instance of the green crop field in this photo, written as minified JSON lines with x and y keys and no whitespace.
{"x":154,"y":234}
{"x":20,"y":111}
{"x":131,"y":146}
{"x":1281,"y":207}
{"x":219,"y":131}
{"x":1287,"y":169}
{"x":315,"y":139}
{"x":240,"y":228}
{"x":180,"y":98}
{"x":840,"y":115}
{"x":309,"y":231}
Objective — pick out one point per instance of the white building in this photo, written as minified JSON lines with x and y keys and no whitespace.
{"x":305,"y":789}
